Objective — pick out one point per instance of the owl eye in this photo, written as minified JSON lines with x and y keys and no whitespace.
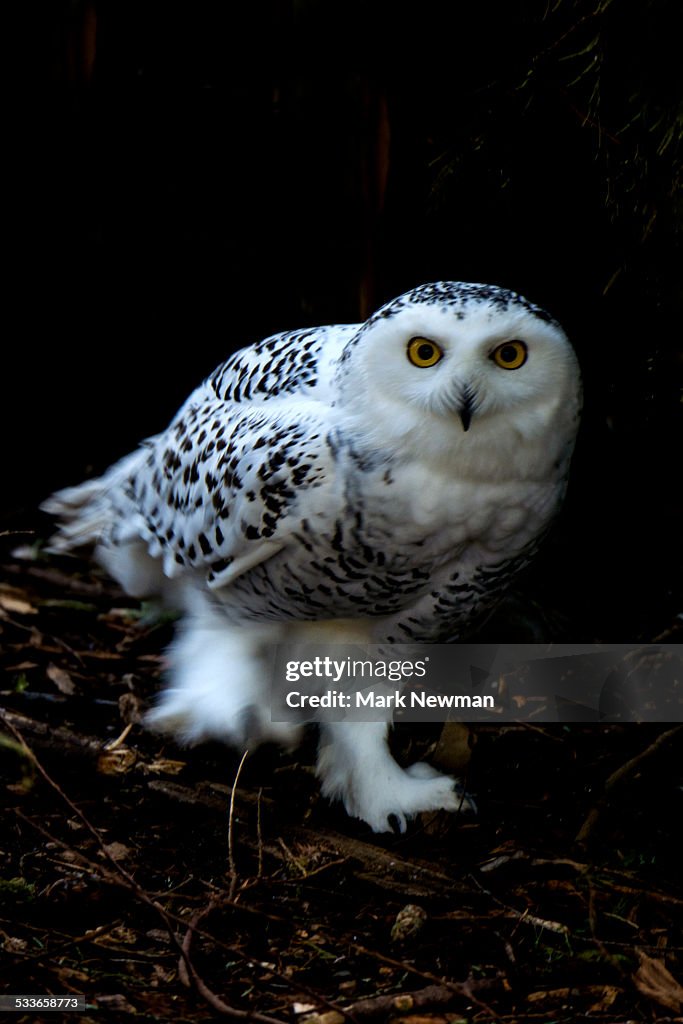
{"x":511,"y":355}
{"x":423,"y":352}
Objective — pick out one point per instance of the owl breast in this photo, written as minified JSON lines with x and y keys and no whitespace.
{"x":400,"y":535}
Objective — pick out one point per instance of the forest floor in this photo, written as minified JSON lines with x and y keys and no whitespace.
{"x":162,"y":885}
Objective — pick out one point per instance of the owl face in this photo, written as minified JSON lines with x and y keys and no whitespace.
{"x":468,"y":356}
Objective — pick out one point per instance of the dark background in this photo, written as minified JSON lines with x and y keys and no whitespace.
{"x":194,"y":176}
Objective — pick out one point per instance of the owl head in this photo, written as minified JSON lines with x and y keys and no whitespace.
{"x":471,"y":363}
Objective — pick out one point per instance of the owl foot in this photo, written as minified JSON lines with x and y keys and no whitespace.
{"x":356,"y":767}
{"x":212,"y":715}
{"x":217,"y":691}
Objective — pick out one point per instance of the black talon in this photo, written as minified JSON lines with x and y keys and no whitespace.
{"x":467,"y":803}
{"x":394,"y":824}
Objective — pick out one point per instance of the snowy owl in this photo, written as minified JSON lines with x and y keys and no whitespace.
{"x":385,"y":480}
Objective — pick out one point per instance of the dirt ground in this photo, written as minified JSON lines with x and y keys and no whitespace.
{"x":168,"y":884}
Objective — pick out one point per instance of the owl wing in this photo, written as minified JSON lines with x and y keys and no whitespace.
{"x":224,"y":489}
{"x":242,"y":465}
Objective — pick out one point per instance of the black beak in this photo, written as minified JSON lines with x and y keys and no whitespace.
{"x":466,"y":409}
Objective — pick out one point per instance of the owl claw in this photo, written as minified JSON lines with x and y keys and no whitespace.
{"x":466,"y":802}
{"x":396,"y":824}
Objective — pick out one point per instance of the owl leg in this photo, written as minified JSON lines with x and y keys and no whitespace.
{"x":356,"y":767}
{"x":218,"y":685}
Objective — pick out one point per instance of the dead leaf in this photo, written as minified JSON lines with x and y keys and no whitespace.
{"x":117,"y":851}
{"x":61,"y":678}
{"x":607,"y":997}
{"x":14,"y":601}
{"x":653,"y":980}
{"x":116,"y":762}
{"x":453,"y":751}
{"x":12,"y":944}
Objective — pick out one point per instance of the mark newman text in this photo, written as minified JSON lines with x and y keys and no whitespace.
{"x":371,"y":699}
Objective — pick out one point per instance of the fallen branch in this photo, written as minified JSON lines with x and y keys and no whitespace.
{"x":618,"y":777}
{"x":48,"y":737}
{"x":428,"y":998}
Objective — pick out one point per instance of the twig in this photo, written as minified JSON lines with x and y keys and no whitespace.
{"x":387,"y":1006}
{"x":259,"y":834}
{"x":530,"y":727}
{"x":187,"y":942}
{"x":619,"y":776}
{"x":120,"y":739}
{"x":231,"y":815}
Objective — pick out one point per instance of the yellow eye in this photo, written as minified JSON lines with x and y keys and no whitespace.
{"x":511,"y":355}
{"x":423,"y":352}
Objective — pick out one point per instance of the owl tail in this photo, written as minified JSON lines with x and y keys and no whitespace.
{"x":86,"y":513}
